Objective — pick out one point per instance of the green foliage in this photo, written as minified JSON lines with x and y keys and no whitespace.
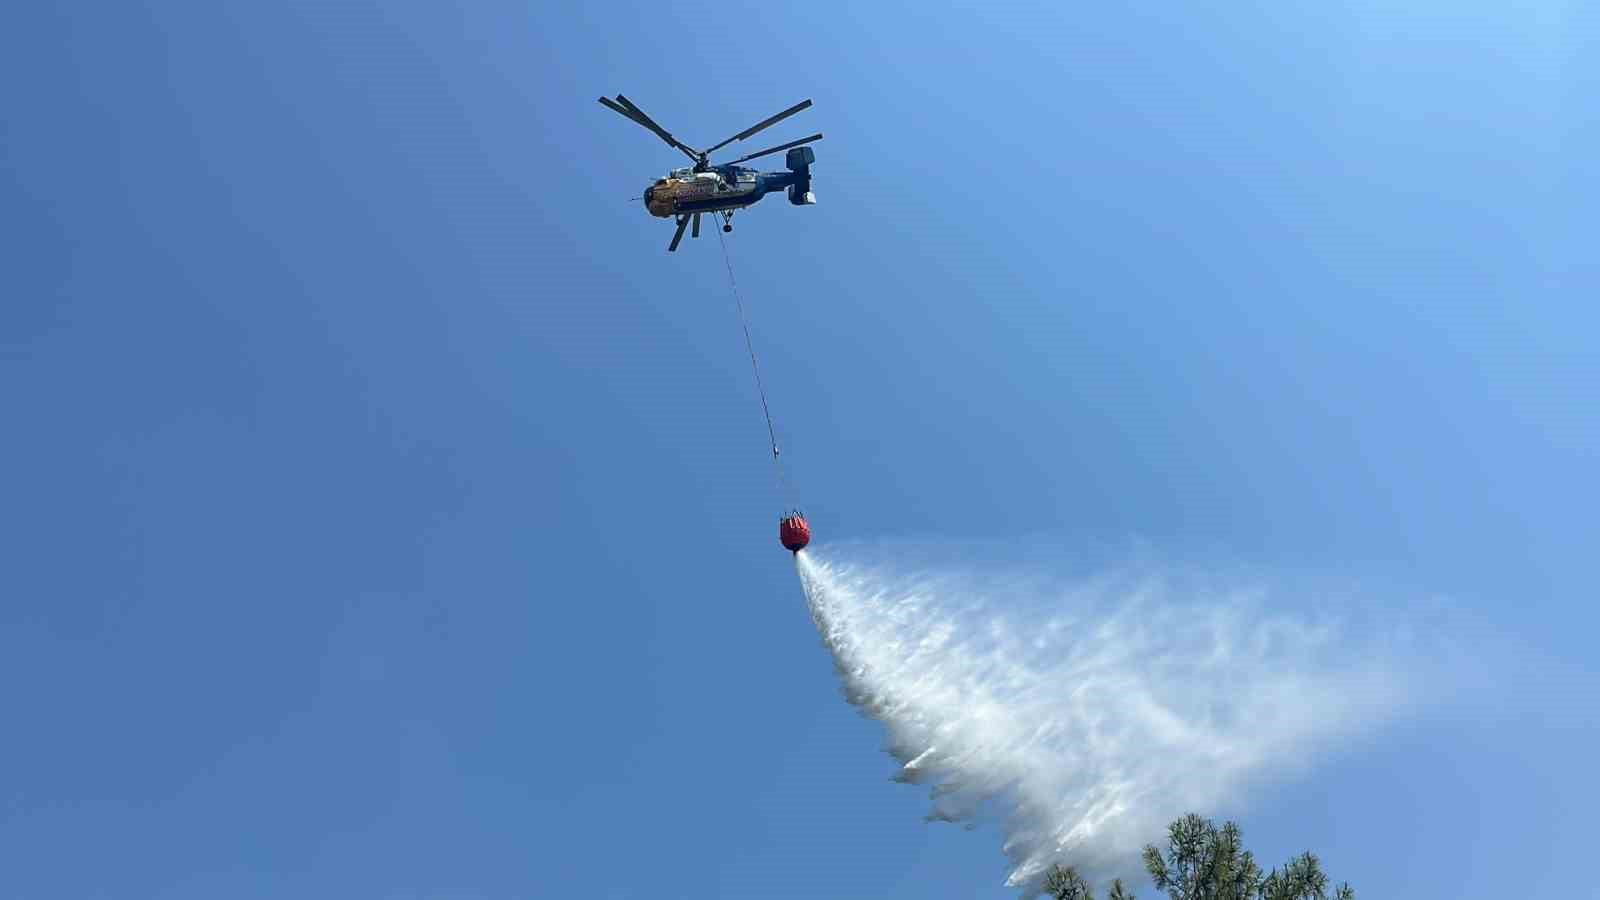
{"x":1204,"y":862}
{"x":1066,"y":884}
{"x":1302,"y":879}
{"x":1207,"y":862}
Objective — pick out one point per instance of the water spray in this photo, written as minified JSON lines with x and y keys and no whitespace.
{"x":1079,"y":715}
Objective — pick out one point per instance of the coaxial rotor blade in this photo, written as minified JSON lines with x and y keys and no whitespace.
{"x":631,"y":116}
{"x":804,"y":140}
{"x":643,"y":119}
{"x":696,"y":231}
{"x":764,"y":123}
{"x":639,"y":115}
{"x":612,"y":104}
{"x":625,"y":107}
{"x":683,"y":222}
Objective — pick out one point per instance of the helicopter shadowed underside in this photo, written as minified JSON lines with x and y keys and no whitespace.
{"x":688,"y":193}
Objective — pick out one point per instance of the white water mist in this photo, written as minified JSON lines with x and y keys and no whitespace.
{"x":1084,"y":713}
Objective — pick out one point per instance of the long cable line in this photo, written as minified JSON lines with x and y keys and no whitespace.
{"x":755,"y":367}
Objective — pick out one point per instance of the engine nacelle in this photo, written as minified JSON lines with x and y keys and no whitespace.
{"x":799,"y":158}
{"x":800,"y":195}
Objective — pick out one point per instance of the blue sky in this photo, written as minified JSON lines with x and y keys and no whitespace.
{"x":388,"y":515}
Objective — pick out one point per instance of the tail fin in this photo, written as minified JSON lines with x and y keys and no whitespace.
{"x":799,"y":160}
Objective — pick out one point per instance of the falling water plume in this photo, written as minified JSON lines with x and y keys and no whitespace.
{"x":1081,"y":713}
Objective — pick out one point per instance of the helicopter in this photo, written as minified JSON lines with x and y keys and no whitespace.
{"x":690,"y":192}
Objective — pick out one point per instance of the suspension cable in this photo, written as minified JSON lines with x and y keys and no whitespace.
{"x":744,"y":322}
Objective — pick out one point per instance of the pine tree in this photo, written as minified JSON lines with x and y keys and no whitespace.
{"x":1207,"y":862}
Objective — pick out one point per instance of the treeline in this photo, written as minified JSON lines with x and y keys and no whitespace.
{"x":1207,"y":862}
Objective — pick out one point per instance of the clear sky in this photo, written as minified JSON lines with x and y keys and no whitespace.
{"x":385,"y":514}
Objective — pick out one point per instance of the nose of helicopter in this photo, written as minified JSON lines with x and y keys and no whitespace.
{"x":658,"y":200}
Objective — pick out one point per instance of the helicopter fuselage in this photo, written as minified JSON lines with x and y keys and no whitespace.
{"x":721,"y":188}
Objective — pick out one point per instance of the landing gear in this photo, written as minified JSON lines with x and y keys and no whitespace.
{"x":727,"y":221}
